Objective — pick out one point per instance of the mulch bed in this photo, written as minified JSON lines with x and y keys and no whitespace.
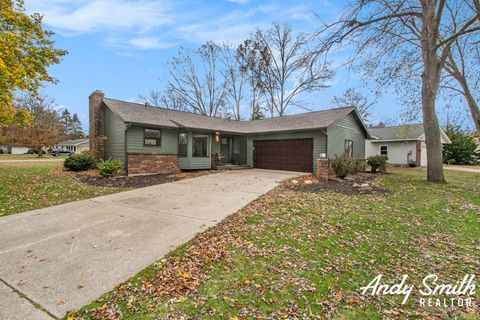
{"x":91,"y":177}
{"x":361,"y":183}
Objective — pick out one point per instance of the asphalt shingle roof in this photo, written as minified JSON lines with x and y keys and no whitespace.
{"x":138,"y":114}
{"x":74,"y":142}
{"x":404,"y":132}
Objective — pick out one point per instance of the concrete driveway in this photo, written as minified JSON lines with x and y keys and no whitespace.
{"x":63,"y":257}
{"x":463,"y":169}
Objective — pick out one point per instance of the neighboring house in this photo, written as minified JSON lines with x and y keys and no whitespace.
{"x":150,"y":139}
{"x":14,"y":150}
{"x":75,"y":146}
{"x":403,"y":145}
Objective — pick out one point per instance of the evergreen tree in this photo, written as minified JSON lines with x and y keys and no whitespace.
{"x":257,"y":113}
{"x":66,"y":120}
{"x":76,"y":128}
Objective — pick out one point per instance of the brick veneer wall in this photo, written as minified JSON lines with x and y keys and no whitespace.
{"x":323,"y":169}
{"x":139,"y":163}
{"x":97,"y":124}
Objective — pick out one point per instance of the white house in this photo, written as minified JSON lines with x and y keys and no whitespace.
{"x":403,"y":145}
{"x":14,"y":150}
{"x":75,"y":146}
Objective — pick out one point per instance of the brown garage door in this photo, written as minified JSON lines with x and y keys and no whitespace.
{"x":290,"y":155}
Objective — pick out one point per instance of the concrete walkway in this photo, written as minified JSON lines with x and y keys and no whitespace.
{"x":63,"y":257}
{"x":463,"y":169}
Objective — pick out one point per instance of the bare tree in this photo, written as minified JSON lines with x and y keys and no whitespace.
{"x":292,"y":68}
{"x":462,"y":67}
{"x":235,"y":80}
{"x":252,"y":59}
{"x":197,"y":80}
{"x":167,"y":99}
{"x":352,"y":98}
{"x":395,"y":30}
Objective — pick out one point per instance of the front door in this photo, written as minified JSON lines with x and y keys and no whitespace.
{"x":226,"y":149}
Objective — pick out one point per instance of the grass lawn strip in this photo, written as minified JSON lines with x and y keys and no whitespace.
{"x":28,"y":186}
{"x":297,"y":253}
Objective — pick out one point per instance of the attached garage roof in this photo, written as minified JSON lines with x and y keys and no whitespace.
{"x":404,"y":132}
{"x":140,"y":114}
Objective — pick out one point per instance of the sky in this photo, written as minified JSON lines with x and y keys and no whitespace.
{"x":121,"y":46}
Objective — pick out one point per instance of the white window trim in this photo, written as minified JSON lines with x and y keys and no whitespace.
{"x":380,"y":149}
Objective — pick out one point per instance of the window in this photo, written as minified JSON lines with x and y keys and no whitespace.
{"x":152,"y":137}
{"x":200,"y":145}
{"x":349,"y":148}
{"x":384,"y":150}
{"x":182,"y":144}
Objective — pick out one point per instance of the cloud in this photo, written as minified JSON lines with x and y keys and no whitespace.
{"x":95,"y":15}
{"x":162,"y":24}
{"x":150,"y":43}
{"x":242,"y":2}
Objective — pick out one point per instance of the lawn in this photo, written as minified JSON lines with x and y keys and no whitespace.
{"x":32,"y":157}
{"x":31,"y":185}
{"x":305,"y":252}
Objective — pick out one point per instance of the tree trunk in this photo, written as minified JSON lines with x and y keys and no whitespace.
{"x":430,"y":84}
{"x":472,"y":105}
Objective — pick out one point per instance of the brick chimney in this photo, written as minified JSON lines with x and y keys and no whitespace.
{"x":97,"y":124}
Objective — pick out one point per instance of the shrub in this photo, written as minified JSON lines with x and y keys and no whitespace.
{"x":109,"y":168}
{"x":451,"y":161}
{"x":378,"y":162}
{"x":1,"y":151}
{"x":462,"y":148}
{"x":358,"y":165}
{"x":80,"y":162}
{"x":341,"y":165}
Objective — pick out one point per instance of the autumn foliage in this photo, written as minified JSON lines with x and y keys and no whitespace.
{"x":26,"y":51}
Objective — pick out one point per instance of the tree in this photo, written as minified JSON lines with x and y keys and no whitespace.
{"x":71,"y":125}
{"x":44,"y":130}
{"x":396,"y":31}
{"x":352,"y":98}
{"x":291,"y":67}
{"x":257,"y":113}
{"x":463,"y":146}
{"x":253,"y":59}
{"x":168,"y":99}
{"x":463,"y":67}
{"x":197,"y":80}
{"x":26,"y":51}
{"x":66,"y":122}
{"x":235,"y":80}
{"x":76,"y":128}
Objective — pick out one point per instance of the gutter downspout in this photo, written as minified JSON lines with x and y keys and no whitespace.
{"x":127,"y":126}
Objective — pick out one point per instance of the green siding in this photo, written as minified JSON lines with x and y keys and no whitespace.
{"x":192,"y":163}
{"x":346,"y":128}
{"x":135,"y":141}
{"x":319,"y":143}
{"x":115,"y":136}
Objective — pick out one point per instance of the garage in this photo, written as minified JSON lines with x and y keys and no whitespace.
{"x":289,"y":154}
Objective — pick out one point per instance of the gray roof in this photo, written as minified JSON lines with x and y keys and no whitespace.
{"x":74,"y":142}
{"x":138,"y":114}
{"x":403,"y":132}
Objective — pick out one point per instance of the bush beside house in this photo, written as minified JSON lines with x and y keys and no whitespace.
{"x":80,"y":162}
{"x":343,"y":166}
{"x":109,"y":168}
{"x":378,"y":162}
{"x":462,"y":150}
